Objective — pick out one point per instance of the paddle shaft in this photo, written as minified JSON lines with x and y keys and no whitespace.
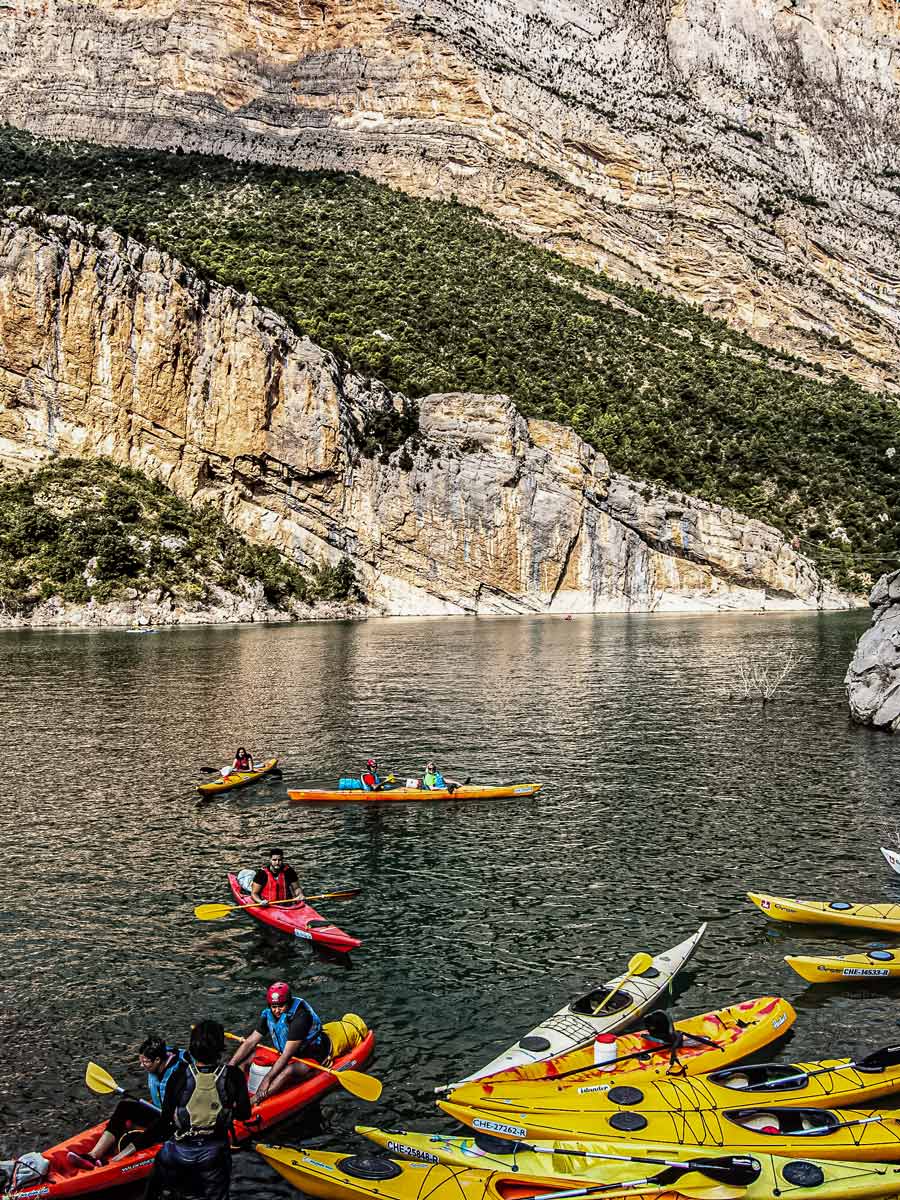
{"x":647,"y":1051}
{"x":358,"y":1083}
{"x":895,"y":1050}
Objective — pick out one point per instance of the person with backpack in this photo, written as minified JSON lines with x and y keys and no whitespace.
{"x":202,"y":1100}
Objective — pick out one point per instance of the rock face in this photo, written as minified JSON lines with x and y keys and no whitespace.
{"x":873,"y":677}
{"x":745,"y":156}
{"x":107,"y":347}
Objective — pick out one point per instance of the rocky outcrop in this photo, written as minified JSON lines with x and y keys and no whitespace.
{"x":153,"y":609}
{"x":873,"y":677}
{"x":744,"y":156}
{"x":107,"y":347}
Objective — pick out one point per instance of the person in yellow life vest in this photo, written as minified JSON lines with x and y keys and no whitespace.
{"x":277,"y":881}
{"x":433,"y":780}
{"x":202,"y":1100}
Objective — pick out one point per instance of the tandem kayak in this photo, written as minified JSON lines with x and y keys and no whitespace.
{"x":828,"y":912}
{"x":67,"y":1180}
{"x":854,"y":1134}
{"x":832,"y":1083}
{"x":296,"y":920}
{"x":871,"y":966}
{"x":237,"y":779}
{"x":700,"y":1044}
{"x":468,"y":791}
{"x":583,"y":1160}
{"x":578,"y":1023}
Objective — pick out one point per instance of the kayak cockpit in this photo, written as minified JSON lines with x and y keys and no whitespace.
{"x":808,"y":1122}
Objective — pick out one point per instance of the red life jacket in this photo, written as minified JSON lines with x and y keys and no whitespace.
{"x":275,"y":888}
{"x":242,"y":763}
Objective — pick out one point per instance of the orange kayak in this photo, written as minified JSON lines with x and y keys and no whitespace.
{"x":467,"y":791}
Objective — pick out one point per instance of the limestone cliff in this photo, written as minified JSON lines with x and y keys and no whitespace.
{"x":745,"y":156}
{"x":107,"y":347}
{"x":873,"y":677}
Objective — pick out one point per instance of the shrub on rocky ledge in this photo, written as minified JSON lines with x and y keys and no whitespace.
{"x":87,"y":529}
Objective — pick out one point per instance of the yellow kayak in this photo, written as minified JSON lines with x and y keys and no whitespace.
{"x":870,"y":967}
{"x":592,"y":1097}
{"x":369,"y":1177}
{"x":778,"y":1177}
{"x":850,"y":1133}
{"x":692,"y":1046}
{"x":829,"y":912}
{"x":468,"y":791}
{"x":237,"y":779}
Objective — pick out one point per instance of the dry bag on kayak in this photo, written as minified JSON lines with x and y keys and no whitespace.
{"x":245,"y":879}
{"x":345,"y":1034}
{"x":350,"y":785}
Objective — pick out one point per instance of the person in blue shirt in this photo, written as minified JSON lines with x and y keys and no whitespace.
{"x":126,"y":1128}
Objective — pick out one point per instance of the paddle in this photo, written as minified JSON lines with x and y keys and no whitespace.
{"x":738,"y":1169}
{"x":878,"y":1060}
{"x":215,"y":912}
{"x":275,"y":773}
{"x":358,"y":1083}
{"x":842,"y":1125}
{"x":637,"y":965}
{"x":100,"y":1081}
{"x":736,"y":1174}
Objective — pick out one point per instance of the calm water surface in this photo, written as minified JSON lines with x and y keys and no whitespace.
{"x":664,"y":801}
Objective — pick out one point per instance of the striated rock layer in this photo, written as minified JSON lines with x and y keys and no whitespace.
{"x":107,"y":347}
{"x":873,"y":677}
{"x":744,"y":155}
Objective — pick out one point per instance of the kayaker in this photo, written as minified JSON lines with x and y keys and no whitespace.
{"x":277,"y":881}
{"x":433,"y":780}
{"x":371,"y":780}
{"x":294,"y":1029}
{"x":132,"y":1117}
{"x":201,"y":1102}
{"x":242,"y":760}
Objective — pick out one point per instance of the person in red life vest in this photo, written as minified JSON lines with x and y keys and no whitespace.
{"x":243,"y":761}
{"x":371,"y":780}
{"x":294,"y":1028}
{"x":277,"y":881}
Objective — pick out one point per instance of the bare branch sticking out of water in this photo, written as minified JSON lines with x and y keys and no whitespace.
{"x":757,"y":680}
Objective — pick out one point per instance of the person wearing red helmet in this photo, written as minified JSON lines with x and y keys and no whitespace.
{"x":295,"y":1030}
{"x":370,"y":779}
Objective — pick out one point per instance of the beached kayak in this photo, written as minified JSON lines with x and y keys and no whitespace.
{"x":593,"y":1097}
{"x":296,"y":920}
{"x":829,"y":912}
{"x":468,"y":791}
{"x":849,"y":1133}
{"x":237,"y":779}
{"x":578,"y":1023}
{"x":778,"y":1176}
{"x":695,"y":1045}
{"x":870,"y":966}
{"x":66,"y":1180}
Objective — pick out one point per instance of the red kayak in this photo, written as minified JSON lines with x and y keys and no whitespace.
{"x":297,"y":920}
{"x":67,"y":1180}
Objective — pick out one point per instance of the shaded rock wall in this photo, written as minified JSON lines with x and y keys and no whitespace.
{"x":873,"y":677}
{"x":745,"y":156}
{"x":107,"y":347}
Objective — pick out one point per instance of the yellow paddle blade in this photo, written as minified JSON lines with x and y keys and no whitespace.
{"x":358,"y":1083}
{"x":99,"y":1080}
{"x":213,"y":912}
{"x":640,"y":963}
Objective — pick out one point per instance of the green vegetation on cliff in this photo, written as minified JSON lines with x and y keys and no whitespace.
{"x":433,"y":297}
{"x":84,"y":529}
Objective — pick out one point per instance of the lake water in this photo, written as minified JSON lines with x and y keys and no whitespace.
{"x":664,"y":801}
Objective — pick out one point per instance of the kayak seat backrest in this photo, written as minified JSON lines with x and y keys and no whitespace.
{"x":661,"y":1028}
{"x":587,"y":1005}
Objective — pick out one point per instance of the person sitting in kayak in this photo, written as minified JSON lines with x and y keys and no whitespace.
{"x":433,"y":780}
{"x":371,"y":780}
{"x":294,"y":1029}
{"x":277,"y":881}
{"x":202,"y":1101}
{"x":242,"y":760}
{"x":132,"y":1117}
